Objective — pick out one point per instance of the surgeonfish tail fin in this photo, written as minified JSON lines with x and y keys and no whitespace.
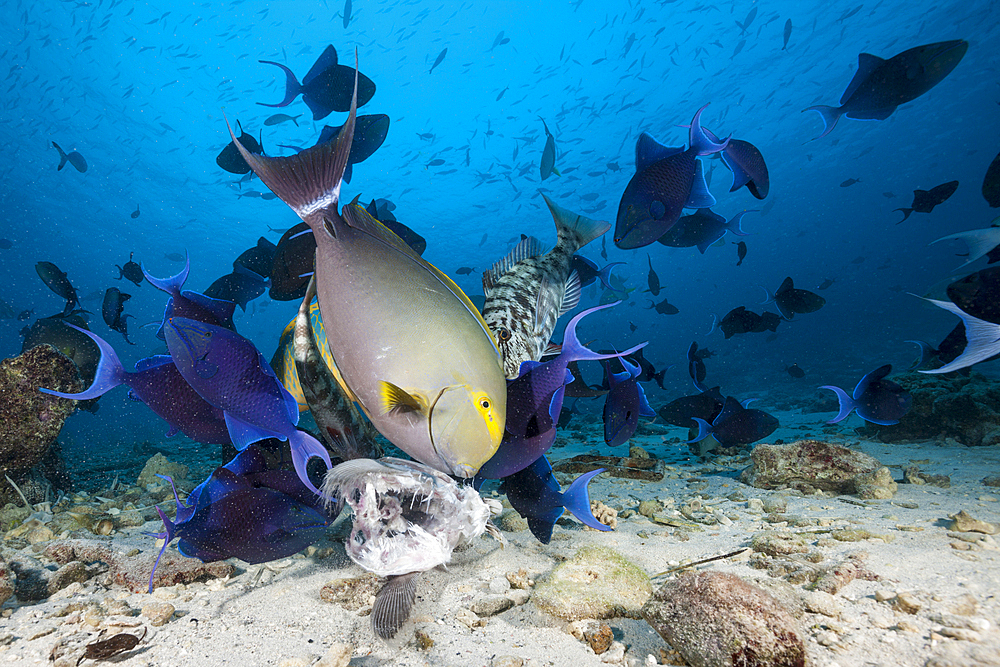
{"x":983,"y":339}
{"x":846,"y":403}
{"x":393,"y":604}
{"x":109,"y":375}
{"x":830,"y":116}
{"x":308,"y":181}
{"x":573,"y":350}
{"x":62,"y":156}
{"x":906,"y":214}
{"x":704,"y":428}
{"x":577,"y":500}
{"x":292,"y":86}
{"x":700,"y":140}
{"x":733,"y":226}
{"x":585,"y":229}
{"x":305,"y":447}
{"x":173,"y":284}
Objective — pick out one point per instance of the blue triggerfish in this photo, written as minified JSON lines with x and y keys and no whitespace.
{"x":879,"y":86}
{"x":625,"y":403}
{"x":535,"y":494}
{"x":667,"y":180}
{"x":534,"y":401}
{"x":735,"y":425}
{"x":231,"y":374}
{"x":876,"y":399}
{"x":252,"y":508}
{"x":702,"y":228}
{"x":157,"y":383}
{"x":188,"y":304}
{"x":326,"y":87}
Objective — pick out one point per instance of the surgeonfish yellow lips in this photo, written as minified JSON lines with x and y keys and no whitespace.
{"x":453,"y":420}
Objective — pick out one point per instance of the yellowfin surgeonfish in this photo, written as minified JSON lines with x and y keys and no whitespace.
{"x":411,"y":348}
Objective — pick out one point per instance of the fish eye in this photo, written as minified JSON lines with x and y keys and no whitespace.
{"x":503,"y":334}
{"x":484,"y":403}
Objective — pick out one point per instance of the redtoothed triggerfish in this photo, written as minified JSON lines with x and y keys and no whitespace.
{"x":326,"y":87}
{"x":192,"y":305}
{"x":625,"y":403}
{"x":230,"y":373}
{"x":876,"y":399}
{"x":879,"y":86}
{"x":411,"y":348}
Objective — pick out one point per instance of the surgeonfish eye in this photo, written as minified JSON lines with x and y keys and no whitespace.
{"x":503,"y":334}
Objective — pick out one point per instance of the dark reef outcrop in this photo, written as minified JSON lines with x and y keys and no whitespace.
{"x":30,"y":421}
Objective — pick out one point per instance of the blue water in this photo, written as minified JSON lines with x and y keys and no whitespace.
{"x":142,"y":90}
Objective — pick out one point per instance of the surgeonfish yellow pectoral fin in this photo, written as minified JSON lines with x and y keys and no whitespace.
{"x":395,"y":399}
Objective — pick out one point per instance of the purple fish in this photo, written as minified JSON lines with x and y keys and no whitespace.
{"x":535,"y":494}
{"x":747,"y":164}
{"x":159,"y":385}
{"x":253,"y":508}
{"x":702,"y":228}
{"x":191,"y":305}
{"x":667,"y":180}
{"x":876,"y":399}
{"x":736,"y":425}
{"x":534,"y":401}
{"x":625,"y":403}
{"x":231,"y":374}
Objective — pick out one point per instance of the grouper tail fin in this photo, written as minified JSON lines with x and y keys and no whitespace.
{"x":579,"y":229}
{"x":309,"y":181}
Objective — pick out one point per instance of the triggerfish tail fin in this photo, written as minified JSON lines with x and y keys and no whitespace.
{"x":704,"y":430}
{"x":983,"y":339}
{"x":292,"y":86}
{"x":979,"y":241}
{"x":926,"y":352}
{"x":699,"y":140}
{"x":109,"y":375}
{"x":168,"y":530}
{"x":308,"y":181}
{"x":830,"y":116}
{"x":906,"y":214}
{"x":699,"y":197}
{"x":573,"y":350}
{"x":846,"y":403}
{"x":604,"y":275}
{"x":733,"y":226}
{"x":577,"y":500}
{"x":305,"y":447}
{"x":393,"y":604}
{"x":173,"y":284}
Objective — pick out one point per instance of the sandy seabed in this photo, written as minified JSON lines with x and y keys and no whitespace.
{"x":273,"y":614}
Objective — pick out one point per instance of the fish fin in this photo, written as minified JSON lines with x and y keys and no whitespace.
{"x":979,"y":241}
{"x":786,"y":285}
{"x":573,"y":350}
{"x":704,"y":430}
{"x":544,"y":303}
{"x":733,"y":226}
{"x":292,"y":87}
{"x":62,"y":156}
{"x":605,"y":274}
{"x":845,"y":400}
{"x":244,"y":434}
{"x":730,"y":407}
{"x":348,"y":172}
{"x":706,"y":244}
{"x":526,"y":249}
{"x":699,"y":197}
{"x":551,"y":349}
{"x":926,"y":352}
{"x":542,"y":527}
{"x":326,"y":60}
{"x":308,"y":181}
{"x":867,"y":63}
{"x":830,"y":116}
{"x":205,"y":369}
{"x":304,"y":447}
{"x":645,"y":409}
{"x":648,"y":150}
{"x":393,"y":604}
{"x":397,"y":400}
{"x":875,"y":376}
{"x":871,"y":114}
{"x":167,"y":537}
{"x":740,"y":176}
{"x":555,"y":171}
{"x":576,"y":499}
{"x":585,"y":229}
{"x":110,"y":372}
{"x":701,"y":141}
{"x":571,"y":296}
{"x":983,"y":339}
{"x":173,"y":284}
{"x":906,"y":213}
